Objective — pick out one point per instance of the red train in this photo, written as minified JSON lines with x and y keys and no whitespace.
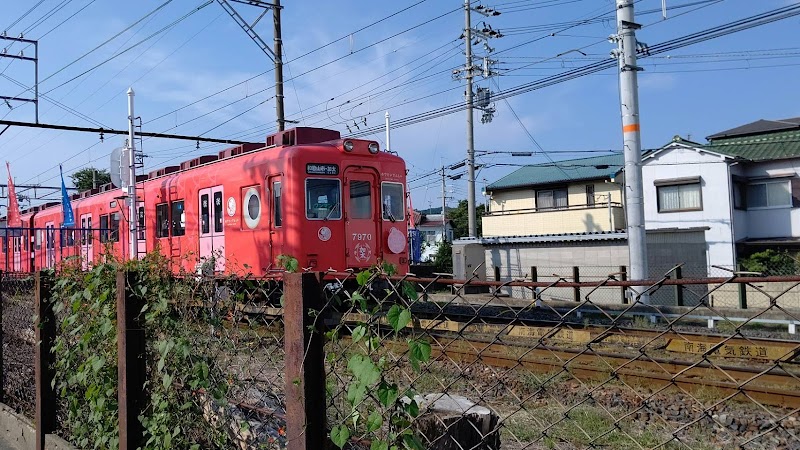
{"x":326,"y":201}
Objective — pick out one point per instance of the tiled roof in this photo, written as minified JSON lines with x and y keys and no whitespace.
{"x":758,"y":127}
{"x":596,"y":167}
{"x":762,"y":147}
{"x":548,"y":238}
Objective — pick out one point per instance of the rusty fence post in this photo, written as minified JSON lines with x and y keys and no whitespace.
{"x":132,"y":372}
{"x":45,"y":329}
{"x":678,"y":287}
{"x":623,"y":276}
{"x":576,"y":277}
{"x":304,"y":362}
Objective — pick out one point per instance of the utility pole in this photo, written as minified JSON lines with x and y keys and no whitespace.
{"x":132,"y":216}
{"x":278,"y":50}
{"x":632,"y":143}
{"x":444,"y":205}
{"x":473,"y":230}
{"x":484,"y":95}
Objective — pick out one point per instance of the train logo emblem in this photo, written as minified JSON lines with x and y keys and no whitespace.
{"x":363,"y":252}
{"x":231,"y":206}
{"x":324,"y":234}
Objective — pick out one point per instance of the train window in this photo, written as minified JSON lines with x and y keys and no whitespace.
{"x":178,"y":219}
{"x":113,"y":236}
{"x":205,"y":227}
{"x":276,"y":201}
{"x":162,"y":220}
{"x":323,"y":199}
{"x":360,"y":200}
{"x":251,"y":207}
{"x":140,"y":224}
{"x":218,"y":212}
{"x":90,"y":236}
{"x":51,"y":237}
{"x":104,"y":231}
{"x":38,"y":239}
{"x":392,"y":201}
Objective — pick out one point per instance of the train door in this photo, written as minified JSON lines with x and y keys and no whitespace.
{"x":275,"y":192}
{"x":141,"y":237}
{"x":49,"y":245}
{"x":212,"y":229}
{"x":361,"y":228}
{"x":17,"y":242}
{"x":87,"y":255}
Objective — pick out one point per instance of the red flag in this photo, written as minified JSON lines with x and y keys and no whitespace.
{"x":13,"y":220}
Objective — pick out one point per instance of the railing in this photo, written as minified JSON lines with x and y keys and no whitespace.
{"x":371,"y":360}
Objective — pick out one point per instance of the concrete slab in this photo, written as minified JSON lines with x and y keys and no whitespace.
{"x":17,"y":433}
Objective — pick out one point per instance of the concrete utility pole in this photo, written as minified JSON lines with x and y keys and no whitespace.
{"x":473,"y":230}
{"x":278,"y":50}
{"x":132,"y":216}
{"x":632,"y":142}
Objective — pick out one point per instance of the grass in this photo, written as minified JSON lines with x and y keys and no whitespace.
{"x":587,"y":425}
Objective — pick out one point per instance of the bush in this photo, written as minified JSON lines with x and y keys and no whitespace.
{"x":770,"y":262}
{"x":443,"y":258}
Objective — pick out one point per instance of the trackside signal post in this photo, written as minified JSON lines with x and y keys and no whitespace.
{"x":632,"y":142}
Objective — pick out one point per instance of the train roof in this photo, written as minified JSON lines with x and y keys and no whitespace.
{"x":297,"y":136}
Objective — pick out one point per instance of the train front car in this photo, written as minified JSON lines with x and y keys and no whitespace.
{"x":349,"y":198}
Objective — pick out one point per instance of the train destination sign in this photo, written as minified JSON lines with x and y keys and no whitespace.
{"x":322,"y":169}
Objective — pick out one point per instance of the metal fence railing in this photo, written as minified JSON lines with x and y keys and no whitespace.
{"x":18,"y":343}
{"x":426,"y":369}
{"x":373,"y":360}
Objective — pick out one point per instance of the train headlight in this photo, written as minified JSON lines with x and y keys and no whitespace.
{"x":373,"y":147}
{"x":348,"y":146}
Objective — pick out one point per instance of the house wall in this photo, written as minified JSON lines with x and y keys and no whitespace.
{"x":524,"y":223}
{"x":779,"y":222}
{"x":514,"y":213}
{"x":716,"y":214}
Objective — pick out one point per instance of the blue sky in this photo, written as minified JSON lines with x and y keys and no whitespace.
{"x":403,"y":64}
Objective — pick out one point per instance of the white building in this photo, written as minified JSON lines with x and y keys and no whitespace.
{"x":741,"y":189}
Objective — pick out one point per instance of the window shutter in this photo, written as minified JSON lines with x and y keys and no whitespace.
{"x":795,"y":192}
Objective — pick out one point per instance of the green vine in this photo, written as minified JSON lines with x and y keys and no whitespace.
{"x":386,"y":423}
{"x":178,"y":379}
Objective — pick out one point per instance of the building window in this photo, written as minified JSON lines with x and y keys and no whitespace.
{"x":679,"y":197}
{"x":551,"y":198}
{"x":739,"y":195}
{"x":589,"y":195}
{"x":769,"y":194}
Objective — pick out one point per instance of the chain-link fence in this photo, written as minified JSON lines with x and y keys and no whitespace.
{"x":19,"y":340}
{"x":455,"y":371}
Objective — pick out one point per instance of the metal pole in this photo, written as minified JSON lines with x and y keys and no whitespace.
{"x":278,"y":50}
{"x":36,"y":80}
{"x":388,"y":134}
{"x":444,"y":205}
{"x":470,"y":136}
{"x":632,"y":145}
{"x":132,"y":222}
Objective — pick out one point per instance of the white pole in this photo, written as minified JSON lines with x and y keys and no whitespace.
{"x":388,"y":123}
{"x":133,"y":219}
{"x":471,"y":216}
{"x":632,"y":143}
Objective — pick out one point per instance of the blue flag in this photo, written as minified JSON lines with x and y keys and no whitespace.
{"x":66,"y":204}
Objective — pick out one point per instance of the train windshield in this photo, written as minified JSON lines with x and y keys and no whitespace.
{"x":323,"y":199}
{"x":392,"y":201}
